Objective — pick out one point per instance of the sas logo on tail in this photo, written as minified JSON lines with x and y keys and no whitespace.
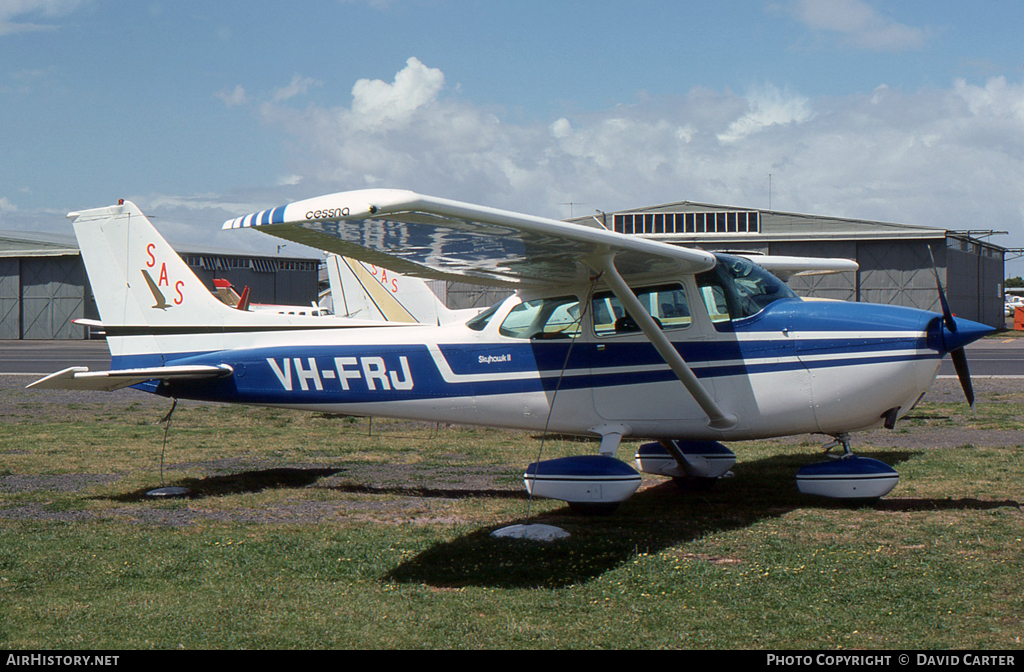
{"x":162,"y":281}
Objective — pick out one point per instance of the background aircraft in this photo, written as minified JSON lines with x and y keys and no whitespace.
{"x":371,"y":292}
{"x":361,"y":291}
{"x":226,"y":293}
{"x":607,"y":335}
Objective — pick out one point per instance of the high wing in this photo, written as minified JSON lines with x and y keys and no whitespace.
{"x":441,"y":239}
{"x":773,"y":368}
{"x":81,"y":378}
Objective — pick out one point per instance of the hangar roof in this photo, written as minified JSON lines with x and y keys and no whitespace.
{"x":37,"y":244}
{"x":32,"y":244}
{"x":764,"y":224}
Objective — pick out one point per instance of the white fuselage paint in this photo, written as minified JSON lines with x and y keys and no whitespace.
{"x":780,"y":393}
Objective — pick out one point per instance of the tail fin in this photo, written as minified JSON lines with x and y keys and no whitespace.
{"x":375,"y":293}
{"x":153,"y":307}
{"x":226,"y":293}
{"x":243,"y":300}
{"x":137,"y":278}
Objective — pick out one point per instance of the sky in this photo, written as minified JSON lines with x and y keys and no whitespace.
{"x":907,"y":111}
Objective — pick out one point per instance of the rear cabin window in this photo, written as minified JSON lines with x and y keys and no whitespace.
{"x":543,"y":318}
{"x":667,"y":304}
{"x":480,"y":322}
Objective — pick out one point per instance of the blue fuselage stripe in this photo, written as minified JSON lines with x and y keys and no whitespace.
{"x":360,"y":374}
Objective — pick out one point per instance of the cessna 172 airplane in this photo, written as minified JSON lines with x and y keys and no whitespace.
{"x":607,"y":335}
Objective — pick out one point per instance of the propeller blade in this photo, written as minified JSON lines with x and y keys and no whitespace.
{"x":947,"y":314}
{"x":960,"y":364}
{"x":958,"y":355}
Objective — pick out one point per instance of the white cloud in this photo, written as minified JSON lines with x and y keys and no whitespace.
{"x":238,"y":96}
{"x":858,"y":24}
{"x":996,"y":99}
{"x":378,"y":102}
{"x":949,"y":157}
{"x":232,"y":97}
{"x":561,"y":128}
{"x":18,"y":16}
{"x":299,"y":85}
{"x":768,"y":107}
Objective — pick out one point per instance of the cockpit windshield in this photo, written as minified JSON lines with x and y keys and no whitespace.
{"x":736,"y":288}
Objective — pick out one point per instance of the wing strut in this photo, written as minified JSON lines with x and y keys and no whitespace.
{"x":717,"y":418}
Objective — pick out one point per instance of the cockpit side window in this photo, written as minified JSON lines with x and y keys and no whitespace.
{"x":543,"y":318}
{"x":667,"y":304}
{"x":736,"y":288}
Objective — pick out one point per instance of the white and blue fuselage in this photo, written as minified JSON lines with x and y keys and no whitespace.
{"x":795,"y":367}
{"x":608,"y":336}
{"x":695,"y":347}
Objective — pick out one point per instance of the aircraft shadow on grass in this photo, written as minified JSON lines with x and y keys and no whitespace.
{"x":236,"y":484}
{"x":656,"y":518}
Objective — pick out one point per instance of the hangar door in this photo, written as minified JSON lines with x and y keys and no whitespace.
{"x":898,"y":274}
{"x":10,"y":309}
{"x":52,"y":294}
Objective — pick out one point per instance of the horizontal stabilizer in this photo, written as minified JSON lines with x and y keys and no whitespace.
{"x":81,"y":378}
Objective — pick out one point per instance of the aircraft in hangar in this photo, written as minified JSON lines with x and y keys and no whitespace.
{"x":607,"y":335}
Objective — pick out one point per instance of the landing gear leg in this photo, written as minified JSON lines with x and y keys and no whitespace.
{"x":839,"y":440}
{"x":690,"y":482}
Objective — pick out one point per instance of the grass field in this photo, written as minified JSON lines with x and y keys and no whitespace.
{"x":312,"y":531}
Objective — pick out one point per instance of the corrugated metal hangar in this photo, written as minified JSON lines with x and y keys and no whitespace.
{"x":895,"y":260}
{"x":43,"y":284}
{"x":895,"y":264}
